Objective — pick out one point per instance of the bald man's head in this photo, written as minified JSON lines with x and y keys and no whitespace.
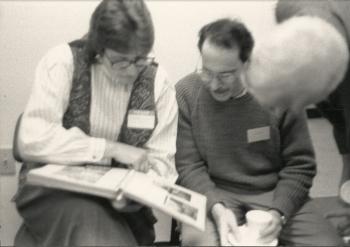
{"x":300,"y":62}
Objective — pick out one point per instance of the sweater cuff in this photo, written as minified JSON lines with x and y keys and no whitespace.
{"x":285,"y":206}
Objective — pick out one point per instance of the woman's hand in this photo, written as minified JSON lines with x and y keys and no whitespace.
{"x":123,"y":204}
{"x":134,"y":157}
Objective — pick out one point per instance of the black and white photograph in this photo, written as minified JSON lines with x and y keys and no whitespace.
{"x":181,"y":207}
{"x":177,"y":192}
{"x":88,"y":174}
{"x":228,"y":105}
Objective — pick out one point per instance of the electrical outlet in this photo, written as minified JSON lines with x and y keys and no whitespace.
{"x":7,"y":162}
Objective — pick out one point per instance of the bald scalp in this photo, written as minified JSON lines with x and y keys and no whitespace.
{"x":302,"y":55}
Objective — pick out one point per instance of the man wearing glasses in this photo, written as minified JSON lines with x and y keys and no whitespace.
{"x":240,"y":155}
{"x":100,"y":100}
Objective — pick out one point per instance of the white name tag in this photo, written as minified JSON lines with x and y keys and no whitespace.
{"x":258,"y":134}
{"x":140,"y":119}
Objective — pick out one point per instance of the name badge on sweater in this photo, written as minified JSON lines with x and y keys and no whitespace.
{"x":141,"y":119}
{"x":258,"y":134}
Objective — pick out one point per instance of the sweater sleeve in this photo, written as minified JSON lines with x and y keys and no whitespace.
{"x":190,"y":165}
{"x":296,"y":176}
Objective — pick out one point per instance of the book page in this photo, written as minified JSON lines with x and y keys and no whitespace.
{"x":182,"y":207}
{"x":142,"y":186}
{"x":90,"y":179}
{"x":84,"y":174}
{"x":113,"y":178}
{"x":183,"y":204}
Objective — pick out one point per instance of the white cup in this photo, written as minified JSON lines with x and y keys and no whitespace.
{"x":257,"y":220}
{"x":345,"y":192}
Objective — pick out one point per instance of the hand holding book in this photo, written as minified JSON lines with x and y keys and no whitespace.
{"x":121,"y":202}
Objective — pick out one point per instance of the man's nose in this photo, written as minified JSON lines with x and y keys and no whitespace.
{"x":215,"y":84}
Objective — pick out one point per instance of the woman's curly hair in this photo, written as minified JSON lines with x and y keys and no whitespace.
{"x":121,"y":25}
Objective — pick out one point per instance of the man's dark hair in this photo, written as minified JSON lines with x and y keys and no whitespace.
{"x":120,"y":25}
{"x":228,"y":33}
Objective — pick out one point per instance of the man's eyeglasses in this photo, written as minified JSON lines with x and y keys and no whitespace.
{"x":207,"y":76}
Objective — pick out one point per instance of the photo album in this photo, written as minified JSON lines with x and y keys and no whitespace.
{"x":183,"y":204}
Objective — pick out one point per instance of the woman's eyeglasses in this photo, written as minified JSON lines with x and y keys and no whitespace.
{"x":124,"y":63}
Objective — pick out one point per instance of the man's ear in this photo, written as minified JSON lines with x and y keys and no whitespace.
{"x":245,"y":68}
{"x":246,"y":64}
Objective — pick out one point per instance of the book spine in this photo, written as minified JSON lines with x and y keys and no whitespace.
{"x":121,"y":185}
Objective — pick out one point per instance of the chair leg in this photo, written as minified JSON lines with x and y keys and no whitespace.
{"x":175,"y":233}
{"x":174,"y":236}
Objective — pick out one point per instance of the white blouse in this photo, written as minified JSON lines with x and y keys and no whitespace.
{"x":42,"y":137}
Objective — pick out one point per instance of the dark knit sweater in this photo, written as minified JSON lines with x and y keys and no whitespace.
{"x":213,"y":148}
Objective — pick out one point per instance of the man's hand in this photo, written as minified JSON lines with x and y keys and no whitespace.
{"x":226,"y":223}
{"x":273,"y":230}
{"x":343,"y":216}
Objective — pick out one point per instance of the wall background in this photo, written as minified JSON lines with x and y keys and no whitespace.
{"x":29,"y":28}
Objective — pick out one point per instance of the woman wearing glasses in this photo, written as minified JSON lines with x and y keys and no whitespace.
{"x":100,"y":100}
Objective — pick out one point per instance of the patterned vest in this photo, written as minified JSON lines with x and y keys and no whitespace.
{"x":78,"y":112}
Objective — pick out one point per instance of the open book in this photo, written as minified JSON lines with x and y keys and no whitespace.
{"x":182,"y":204}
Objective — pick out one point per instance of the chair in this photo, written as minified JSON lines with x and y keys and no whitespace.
{"x":15,"y":149}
